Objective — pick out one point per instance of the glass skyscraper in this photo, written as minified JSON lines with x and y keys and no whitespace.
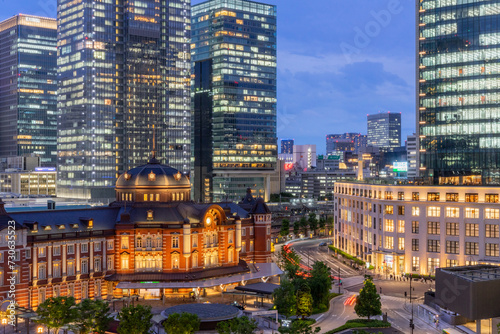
{"x":459,"y":91}
{"x":384,"y":129}
{"x":28,"y":86}
{"x":233,"y":54}
{"x":124,"y":73}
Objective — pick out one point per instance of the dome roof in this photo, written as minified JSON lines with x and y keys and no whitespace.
{"x":153,"y":175}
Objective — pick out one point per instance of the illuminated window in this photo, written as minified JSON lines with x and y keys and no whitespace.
{"x":452,"y":229}
{"x":415,"y":227}
{"x":389,"y":242}
{"x":389,"y":225}
{"x":401,"y":243}
{"x":389,"y":209}
{"x":415,"y":211}
{"x":150,"y":215}
{"x":452,"y":212}
{"x":415,"y":263}
{"x":124,"y":261}
{"x":145,"y":197}
{"x":433,"y":197}
{"x":491,"y":213}
{"x":452,"y":247}
{"x":401,"y":226}
{"x":175,"y":261}
{"x":491,"y":198}
{"x":124,"y":242}
{"x":415,"y":196}
{"x":471,"y":213}
{"x":451,"y":197}
{"x":471,"y":197}
{"x":492,"y":250}
{"x":433,"y":211}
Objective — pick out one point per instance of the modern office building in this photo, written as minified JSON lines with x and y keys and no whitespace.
{"x":416,"y":229}
{"x":287,"y":146}
{"x":28,"y":87}
{"x":384,"y":129}
{"x":233,"y":54}
{"x":345,"y":142}
{"x":41,"y":181}
{"x":458,"y":92}
{"x":412,"y":156}
{"x":124,"y":90}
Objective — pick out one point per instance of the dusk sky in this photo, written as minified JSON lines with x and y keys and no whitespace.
{"x":337,"y":62}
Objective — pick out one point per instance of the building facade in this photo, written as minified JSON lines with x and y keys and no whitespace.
{"x":457,"y":91}
{"x":287,"y":146}
{"x":304,"y":156}
{"x":345,"y":142}
{"x":123,"y":90}
{"x":233,"y":53}
{"x":41,"y":181}
{"x":416,"y":229}
{"x":384,"y":129}
{"x":412,"y":156}
{"x":28,"y":87}
{"x":152,"y":241}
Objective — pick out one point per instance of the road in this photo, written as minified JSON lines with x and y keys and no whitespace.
{"x":392,"y":297}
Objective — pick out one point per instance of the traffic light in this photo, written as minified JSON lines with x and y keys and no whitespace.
{"x":412,"y":325}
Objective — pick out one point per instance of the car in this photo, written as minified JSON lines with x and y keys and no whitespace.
{"x":323,"y":244}
{"x":237,"y":305}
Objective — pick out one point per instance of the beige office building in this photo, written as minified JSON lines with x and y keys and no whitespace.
{"x":406,"y":228}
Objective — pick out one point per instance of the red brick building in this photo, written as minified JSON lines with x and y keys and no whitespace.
{"x":152,"y":237}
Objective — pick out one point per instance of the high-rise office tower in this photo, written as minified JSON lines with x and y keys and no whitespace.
{"x":287,"y":146}
{"x":28,"y":87}
{"x":234,"y":98}
{"x":384,"y":130}
{"x":345,"y":142}
{"x":124,"y":73}
{"x":458,"y":91}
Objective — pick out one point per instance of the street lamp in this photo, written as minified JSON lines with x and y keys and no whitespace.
{"x":4,"y":323}
{"x":39,"y":329}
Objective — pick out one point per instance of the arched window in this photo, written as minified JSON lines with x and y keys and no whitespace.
{"x":175,"y":261}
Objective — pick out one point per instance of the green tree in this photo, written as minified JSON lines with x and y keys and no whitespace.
{"x":185,"y":323}
{"x":296,"y":228}
{"x":304,"y":301}
{"x":285,"y":299}
{"x":241,"y":325}
{"x":92,"y":316}
{"x":368,"y":302}
{"x":285,"y":227}
{"x":313,"y":222}
{"x":303,"y":225}
{"x":135,"y":320}
{"x":322,"y":223}
{"x":320,"y":283}
{"x":329,"y":223}
{"x":56,"y":312}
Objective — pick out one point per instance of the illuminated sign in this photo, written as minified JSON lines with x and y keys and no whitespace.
{"x":288,"y":166}
{"x":400,"y":166}
{"x":45,"y":169}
